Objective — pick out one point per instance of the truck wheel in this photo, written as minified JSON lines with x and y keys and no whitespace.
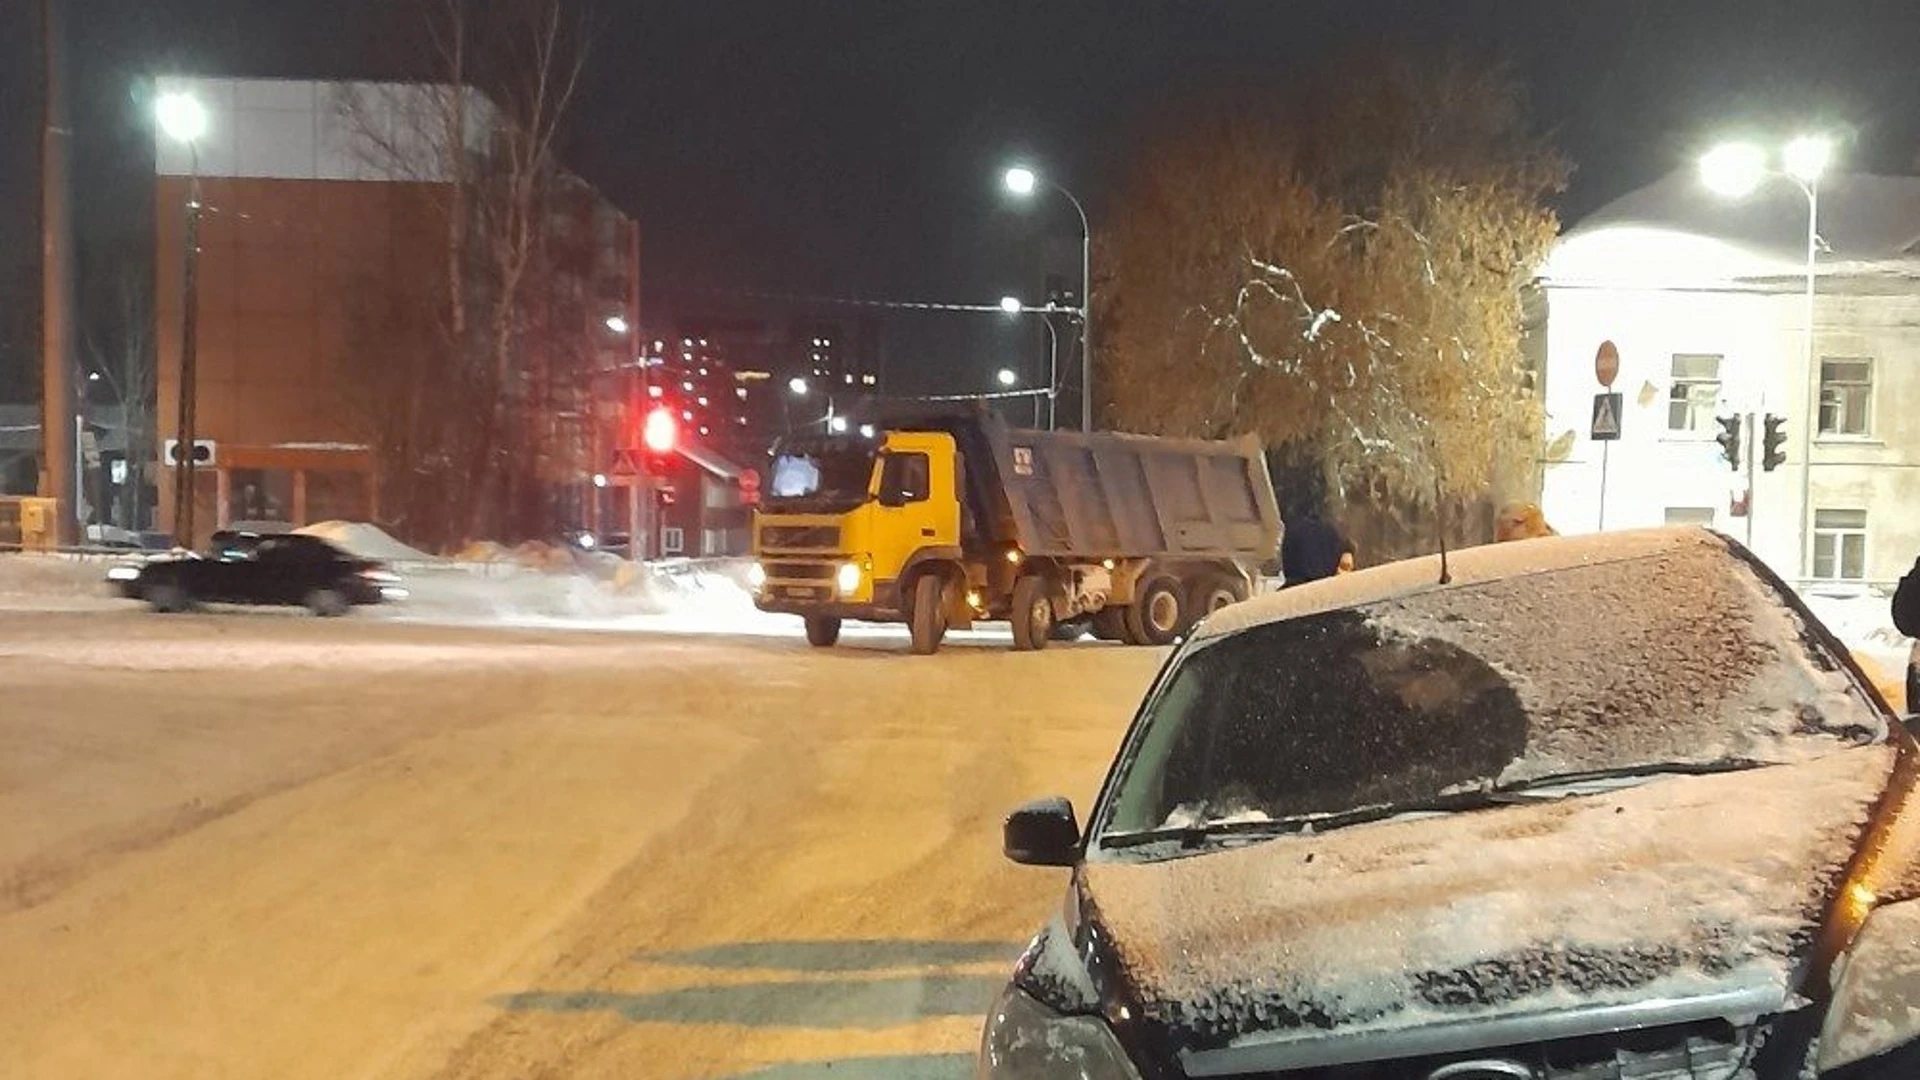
{"x":168,"y":599}
{"x":929,"y":615}
{"x":823,"y":631}
{"x":1110,"y":624}
{"x":1214,"y":593}
{"x":1032,"y":614}
{"x":1158,"y":614}
{"x":327,"y":603}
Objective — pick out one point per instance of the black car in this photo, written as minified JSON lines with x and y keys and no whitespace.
{"x":1587,"y":809}
{"x":245,"y":568}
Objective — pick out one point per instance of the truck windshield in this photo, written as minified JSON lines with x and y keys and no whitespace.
{"x":828,"y":474}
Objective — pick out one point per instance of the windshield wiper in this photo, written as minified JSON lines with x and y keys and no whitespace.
{"x":1631,"y":772}
{"x":1194,"y":835}
{"x":1521,"y":791}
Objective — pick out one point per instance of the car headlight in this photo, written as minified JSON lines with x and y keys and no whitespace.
{"x":848,"y":578}
{"x":756,"y":577}
{"x":380,"y":577}
{"x":1025,"y":1040}
{"x":123,"y":573}
{"x":1876,"y":999}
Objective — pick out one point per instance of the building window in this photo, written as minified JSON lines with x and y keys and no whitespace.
{"x":1846,"y":397}
{"x":1840,"y":545}
{"x":1690,"y":515}
{"x":673,"y":540}
{"x":1695,"y":392}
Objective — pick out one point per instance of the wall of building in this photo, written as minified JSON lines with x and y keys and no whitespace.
{"x":1653,"y":469}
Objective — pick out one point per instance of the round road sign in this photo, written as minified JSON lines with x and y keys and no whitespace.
{"x":1606,"y":364}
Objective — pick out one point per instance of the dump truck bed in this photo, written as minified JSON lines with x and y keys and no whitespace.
{"x":1069,"y":494}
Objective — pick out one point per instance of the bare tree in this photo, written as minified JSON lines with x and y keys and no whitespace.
{"x":119,"y":350}
{"x":1341,"y":273}
{"x":479,"y":142}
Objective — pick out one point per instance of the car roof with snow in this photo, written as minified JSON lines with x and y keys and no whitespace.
{"x":1468,"y":566}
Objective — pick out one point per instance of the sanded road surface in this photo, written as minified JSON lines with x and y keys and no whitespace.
{"x":255,"y":845}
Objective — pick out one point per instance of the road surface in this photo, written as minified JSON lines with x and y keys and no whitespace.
{"x":259,"y":845}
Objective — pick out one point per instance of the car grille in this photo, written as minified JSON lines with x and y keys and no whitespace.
{"x":1709,"y":1050}
{"x":799,"y":571}
{"x":804,"y":537}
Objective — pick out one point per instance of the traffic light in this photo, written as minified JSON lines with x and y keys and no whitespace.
{"x":662,"y":431}
{"x":1773,"y":442}
{"x":1729,"y":440}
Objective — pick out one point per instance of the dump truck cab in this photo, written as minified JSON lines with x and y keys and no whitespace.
{"x":942,"y":519}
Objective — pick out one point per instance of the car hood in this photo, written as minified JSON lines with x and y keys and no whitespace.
{"x":1694,"y":888}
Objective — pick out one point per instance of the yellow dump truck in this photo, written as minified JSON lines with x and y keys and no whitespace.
{"x":946,"y":518}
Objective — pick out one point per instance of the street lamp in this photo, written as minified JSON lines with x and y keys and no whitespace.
{"x":182,"y":118}
{"x":1735,"y":170}
{"x":617,"y":323}
{"x":1007,"y":377}
{"x":1023,"y":181}
{"x":1011,"y":305}
{"x":797,"y":386}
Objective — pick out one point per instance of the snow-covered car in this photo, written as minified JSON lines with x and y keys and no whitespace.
{"x":247,"y":568}
{"x":1562,"y":809}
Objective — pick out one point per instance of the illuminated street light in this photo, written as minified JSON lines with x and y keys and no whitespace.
{"x":866,"y":431}
{"x":797,"y":386}
{"x":617,"y":324}
{"x":1733,"y":169}
{"x":1023,"y":181}
{"x":837,"y":424}
{"x":1807,"y":157}
{"x":181,"y":117}
{"x":1011,"y":305}
{"x":1007,"y":377}
{"x":599,"y":480}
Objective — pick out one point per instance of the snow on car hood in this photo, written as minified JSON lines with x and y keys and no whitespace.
{"x":1677,"y":887}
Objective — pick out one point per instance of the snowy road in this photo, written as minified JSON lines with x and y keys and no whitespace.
{"x":250,"y":845}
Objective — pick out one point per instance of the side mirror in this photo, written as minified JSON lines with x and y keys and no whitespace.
{"x":1043,"y":833}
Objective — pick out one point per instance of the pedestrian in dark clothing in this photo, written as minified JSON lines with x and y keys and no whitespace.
{"x":1310,"y":550}
{"x":1906,"y":619}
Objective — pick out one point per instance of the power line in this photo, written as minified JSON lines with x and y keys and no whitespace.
{"x":893,"y":305}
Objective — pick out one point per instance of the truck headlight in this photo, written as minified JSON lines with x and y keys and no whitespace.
{"x":1876,"y":996}
{"x":756,"y":577}
{"x":1025,"y":1040}
{"x":848,"y":578}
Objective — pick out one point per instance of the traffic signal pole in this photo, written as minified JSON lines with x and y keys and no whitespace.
{"x":1752,"y":426}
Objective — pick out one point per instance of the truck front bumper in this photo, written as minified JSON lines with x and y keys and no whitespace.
{"x":821,"y":601}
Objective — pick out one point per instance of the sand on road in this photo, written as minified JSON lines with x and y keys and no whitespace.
{"x":245,"y":845}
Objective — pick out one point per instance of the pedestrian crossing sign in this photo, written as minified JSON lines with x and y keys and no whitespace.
{"x":1606,"y":417}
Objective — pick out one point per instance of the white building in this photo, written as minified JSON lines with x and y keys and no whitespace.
{"x":1705,"y":300}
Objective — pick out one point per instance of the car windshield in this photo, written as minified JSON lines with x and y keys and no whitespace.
{"x":1678,"y":662}
{"x":826,"y":472}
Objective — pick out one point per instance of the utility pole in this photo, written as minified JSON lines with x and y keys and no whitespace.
{"x":58,"y":449}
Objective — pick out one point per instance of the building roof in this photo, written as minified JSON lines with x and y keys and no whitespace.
{"x":1676,"y":228}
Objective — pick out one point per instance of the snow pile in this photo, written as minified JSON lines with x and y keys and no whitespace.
{"x":53,"y":582}
{"x":1456,"y":917}
{"x":365,"y":540}
{"x":601,"y":590}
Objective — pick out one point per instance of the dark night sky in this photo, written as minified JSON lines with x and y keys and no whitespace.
{"x":850,"y":148}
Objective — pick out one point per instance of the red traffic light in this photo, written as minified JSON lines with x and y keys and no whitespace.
{"x":662,"y":431}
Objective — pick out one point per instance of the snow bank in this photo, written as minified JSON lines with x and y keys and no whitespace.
{"x":53,"y":582}
{"x":366,"y":541}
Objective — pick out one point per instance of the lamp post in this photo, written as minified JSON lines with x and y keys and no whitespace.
{"x":1012,"y":305}
{"x":1022,"y":181}
{"x":1735,"y":170}
{"x":182,"y":118}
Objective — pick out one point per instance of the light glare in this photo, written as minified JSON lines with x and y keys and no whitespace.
{"x":1808,"y":156}
{"x":1011,"y":305}
{"x":1733,"y":169}
{"x":180,"y":116}
{"x":1020,"y":180}
{"x":617,"y":324}
{"x":1007,"y":377}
